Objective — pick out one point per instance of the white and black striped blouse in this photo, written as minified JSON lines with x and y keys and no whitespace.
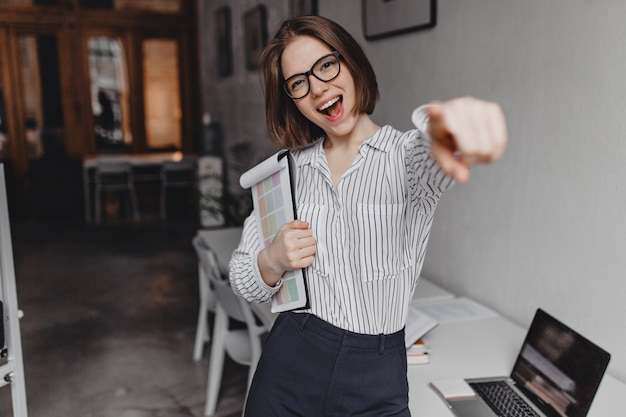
{"x":371,"y":231}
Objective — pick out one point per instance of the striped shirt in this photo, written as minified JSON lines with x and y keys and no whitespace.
{"x":371,"y":231}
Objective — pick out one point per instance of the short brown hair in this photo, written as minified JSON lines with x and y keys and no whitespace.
{"x":287,"y":127}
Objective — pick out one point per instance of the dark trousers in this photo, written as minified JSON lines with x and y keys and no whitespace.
{"x":310,"y":368}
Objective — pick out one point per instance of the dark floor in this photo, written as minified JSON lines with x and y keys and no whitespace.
{"x":109,"y":322}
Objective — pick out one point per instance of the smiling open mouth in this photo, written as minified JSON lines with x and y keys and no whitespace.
{"x":330,"y":107}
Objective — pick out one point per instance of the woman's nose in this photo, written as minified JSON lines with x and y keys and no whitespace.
{"x":317,"y":87}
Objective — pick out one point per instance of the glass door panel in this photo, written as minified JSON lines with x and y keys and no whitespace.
{"x":161,"y":86}
{"x":109,"y":93}
{"x":41,"y":89}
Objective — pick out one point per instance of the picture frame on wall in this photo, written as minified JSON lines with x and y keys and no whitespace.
{"x":255,"y":35}
{"x":385,"y":18}
{"x":302,"y":8}
{"x":223,"y":36}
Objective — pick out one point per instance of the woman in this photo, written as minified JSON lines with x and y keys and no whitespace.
{"x":365,"y":199}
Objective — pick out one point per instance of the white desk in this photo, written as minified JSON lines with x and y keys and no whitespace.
{"x":136,"y":160}
{"x":478,"y":348}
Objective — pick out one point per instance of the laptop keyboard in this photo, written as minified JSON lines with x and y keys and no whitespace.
{"x":502,"y":399}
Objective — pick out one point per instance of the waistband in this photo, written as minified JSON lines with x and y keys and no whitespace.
{"x":346,"y":337}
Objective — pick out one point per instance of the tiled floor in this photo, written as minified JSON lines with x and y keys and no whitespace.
{"x":109,"y":324}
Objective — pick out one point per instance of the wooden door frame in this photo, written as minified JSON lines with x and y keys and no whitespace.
{"x":72,"y":27}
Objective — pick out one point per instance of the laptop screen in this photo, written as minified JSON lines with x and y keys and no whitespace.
{"x":559,"y":369}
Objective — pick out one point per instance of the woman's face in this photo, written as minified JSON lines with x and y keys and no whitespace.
{"x":328,"y":104}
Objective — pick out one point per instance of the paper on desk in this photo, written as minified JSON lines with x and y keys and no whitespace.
{"x":456,"y":310}
{"x":417,"y":325}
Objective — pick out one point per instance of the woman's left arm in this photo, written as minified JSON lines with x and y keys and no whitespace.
{"x":465,"y":132}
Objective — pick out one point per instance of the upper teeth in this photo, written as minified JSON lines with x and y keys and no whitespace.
{"x":328,"y":104}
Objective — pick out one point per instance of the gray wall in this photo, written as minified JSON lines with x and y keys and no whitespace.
{"x":545,"y":226}
{"x":236,"y":101}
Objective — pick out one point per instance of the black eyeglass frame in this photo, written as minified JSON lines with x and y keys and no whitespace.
{"x":310,"y":72}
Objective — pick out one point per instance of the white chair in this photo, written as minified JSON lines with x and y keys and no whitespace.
{"x":242,"y":345}
{"x":181,"y":174}
{"x":207,"y":299}
{"x":222,"y":242}
{"x":114,"y":176}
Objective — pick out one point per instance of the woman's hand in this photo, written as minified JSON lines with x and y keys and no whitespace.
{"x":293,"y":247}
{"x":464,"y":132}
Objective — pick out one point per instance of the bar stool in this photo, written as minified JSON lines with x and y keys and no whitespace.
{"x":181,"y":174}
{"x":115,"y":176}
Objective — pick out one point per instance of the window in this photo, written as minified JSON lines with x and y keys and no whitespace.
{"x":162,"y":103}
{"x":109,"y":94}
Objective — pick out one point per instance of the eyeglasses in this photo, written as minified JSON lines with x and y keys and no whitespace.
{"x":325,"y":69}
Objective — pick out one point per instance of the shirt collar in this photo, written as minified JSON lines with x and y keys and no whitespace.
{"x":313,"y":154}
{"x":381,"y":140}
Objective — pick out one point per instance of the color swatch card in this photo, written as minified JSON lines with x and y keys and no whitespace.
{"x":272,"y":183}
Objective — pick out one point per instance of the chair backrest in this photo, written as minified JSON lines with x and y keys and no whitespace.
{"x":223,"y":242}
{"x":207,"y":259}
{"x":182,"y":165}
{"x":182,"y":172}
{"x":113,"y":173}
{"x":104,"y":166}
{"x":235,"y":306}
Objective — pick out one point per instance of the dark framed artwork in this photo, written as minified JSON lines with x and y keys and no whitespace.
{"x":385,"y":18}
{"x":223,"y":36}
{"x":255,"y":35}
{"x":302,"y":8}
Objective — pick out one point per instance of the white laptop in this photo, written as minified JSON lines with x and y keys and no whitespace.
{"x":556,"y":374}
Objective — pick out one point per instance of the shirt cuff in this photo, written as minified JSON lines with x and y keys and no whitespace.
{"x":272,"y":290}
{"x":420,"y":118}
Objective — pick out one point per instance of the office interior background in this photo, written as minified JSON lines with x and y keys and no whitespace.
{"x":543,"y":227}
{"x":546,"y":225}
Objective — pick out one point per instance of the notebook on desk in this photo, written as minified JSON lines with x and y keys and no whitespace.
{"x":557,"y":373}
